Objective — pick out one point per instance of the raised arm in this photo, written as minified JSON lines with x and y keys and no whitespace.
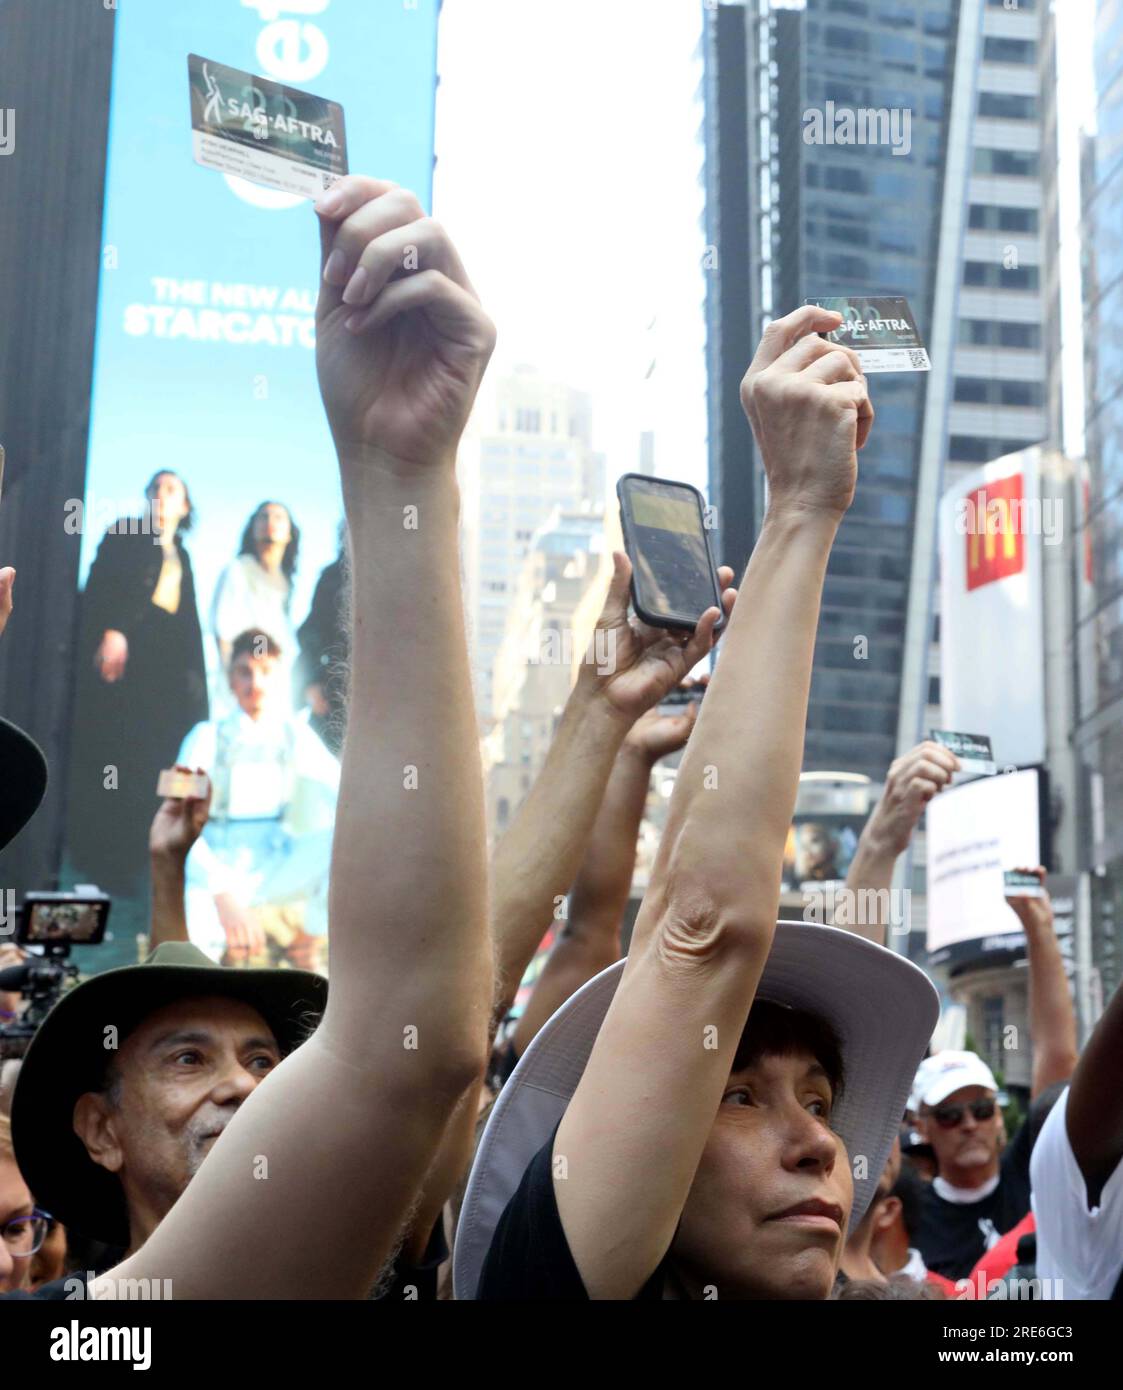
{"x":305,"y":1192}
{"x":175,"y":828}
{"x":1094,"y":1112}
{"x":657,"y":1071}
{"x":590,"y":938}
{"x":913,"y":780}
{"x":535,"y":863}
{"x":1052,"y":1018}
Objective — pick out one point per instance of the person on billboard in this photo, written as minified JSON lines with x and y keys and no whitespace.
{"x":257,"y":876}
{"x":254,"y":591}
{"x":324,"y":652}
{"x":141,"y":683}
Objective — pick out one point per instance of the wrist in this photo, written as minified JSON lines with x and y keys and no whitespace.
{"x":364,"y":465}
{"x":638,"y":755}
{"x":168,"y":862}
{"x":791,"y":516}
{"x":597,"y":716}
{"x":876,"y":846}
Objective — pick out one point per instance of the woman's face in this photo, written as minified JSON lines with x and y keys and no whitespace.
{"x":15,"y":1202}
{"x":769,"y":1207}
{"x":169,"y":502}
{"x":273,"y":525}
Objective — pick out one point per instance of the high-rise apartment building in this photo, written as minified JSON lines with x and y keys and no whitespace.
{"x":936,"y":194}
{"x":1099,"y":640}
{"x":531,"y":448}
{"x":824,"y":214}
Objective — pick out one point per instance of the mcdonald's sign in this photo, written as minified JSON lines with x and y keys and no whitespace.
{"x":995,"y":536}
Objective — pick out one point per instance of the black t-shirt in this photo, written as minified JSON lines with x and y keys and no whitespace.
{"x":954,"y":1236}
{"x":529,"y":1257}
{"x":421,"y":1277}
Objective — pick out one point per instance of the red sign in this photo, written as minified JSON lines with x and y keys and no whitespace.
{"x":995,"y":539}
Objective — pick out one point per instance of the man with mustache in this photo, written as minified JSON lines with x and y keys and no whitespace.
{"x":114,"y":1142}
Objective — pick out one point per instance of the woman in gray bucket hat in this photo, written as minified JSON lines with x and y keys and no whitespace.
{"x":709,"y":1119}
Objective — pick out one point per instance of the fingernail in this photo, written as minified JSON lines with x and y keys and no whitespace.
{"x":354,"y":323}
{"x":335,"y":272}
{"x":356,"y":290}
{"x":330,"y":202}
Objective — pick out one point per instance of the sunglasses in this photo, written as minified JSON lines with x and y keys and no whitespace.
{"x":948,"y":1116}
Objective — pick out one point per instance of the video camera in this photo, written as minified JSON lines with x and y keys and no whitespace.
{"x":48,"y":924}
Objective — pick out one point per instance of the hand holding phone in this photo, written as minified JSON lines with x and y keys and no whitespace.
{"x":674,"y":578}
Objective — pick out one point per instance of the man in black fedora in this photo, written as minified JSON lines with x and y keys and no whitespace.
{"x":135,"y":1073}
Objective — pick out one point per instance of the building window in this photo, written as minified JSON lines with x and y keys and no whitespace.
{"x":999,"y":50}
{"x":995,"y":277}
{"x":985,"y":217}
{"x":998,"y":333}
{"x":1015,"y":163}
{"x":1010,"y":106}
{"x":986,"y":391}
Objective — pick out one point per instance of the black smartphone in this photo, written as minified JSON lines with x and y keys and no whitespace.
{"x":674,"y":578}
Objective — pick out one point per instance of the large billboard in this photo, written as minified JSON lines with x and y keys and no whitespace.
{"x":976,"y":832}
{"x":993,"y":523}
{"x":208,"y":432}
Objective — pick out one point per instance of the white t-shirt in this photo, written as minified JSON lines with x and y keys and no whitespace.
{"x":1082,"y":1249}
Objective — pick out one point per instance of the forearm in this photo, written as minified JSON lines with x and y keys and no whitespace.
{"x":1052,"y":1019}
{"x":864,"y":906}
{"x":1094,"y":1114}
{"x":536,"y":861}
{"x":169,"y":919}
{"x":409,"y":945}
{"x":735,"y":791}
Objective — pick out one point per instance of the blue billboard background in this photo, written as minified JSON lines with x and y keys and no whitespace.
{"x":204,"y":360}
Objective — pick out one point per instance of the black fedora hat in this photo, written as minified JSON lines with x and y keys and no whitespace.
{"x":67,"y":1058}
{"x":23,"y":779}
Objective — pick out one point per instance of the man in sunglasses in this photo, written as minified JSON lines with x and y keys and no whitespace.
{"x":978,"y":1193}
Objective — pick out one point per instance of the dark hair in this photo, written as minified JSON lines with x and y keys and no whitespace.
{"x":778,"y":1030}
{"x":189,"y":520}
{"x":909,"y":1190}
{"x":898,"y":1289}
{"x":253,"y":642}
{"x":249,"y":544}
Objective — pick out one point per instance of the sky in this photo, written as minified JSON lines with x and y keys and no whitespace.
{"x":568,"y":159}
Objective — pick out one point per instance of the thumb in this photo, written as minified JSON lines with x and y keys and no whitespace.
{"x":615,"y":611}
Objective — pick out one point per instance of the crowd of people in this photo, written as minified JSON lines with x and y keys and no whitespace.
{"x":736,"y":1108}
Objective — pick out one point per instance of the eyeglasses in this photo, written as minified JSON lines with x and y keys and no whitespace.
{"x":948,"y":1116}
{"x":24,"y":1235}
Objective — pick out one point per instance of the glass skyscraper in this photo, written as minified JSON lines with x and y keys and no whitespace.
{"x":1099,"y":731}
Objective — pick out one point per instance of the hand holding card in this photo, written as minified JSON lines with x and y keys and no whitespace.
{"x":881,"y":330}
{"x":182,"y":784}
{"x":260,"y":130}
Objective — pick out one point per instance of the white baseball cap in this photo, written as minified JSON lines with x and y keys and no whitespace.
{"x":881,"y":1006}
{"x":937,"y":1077}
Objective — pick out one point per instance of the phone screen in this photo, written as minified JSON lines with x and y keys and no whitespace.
{"x":673,"y":573}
